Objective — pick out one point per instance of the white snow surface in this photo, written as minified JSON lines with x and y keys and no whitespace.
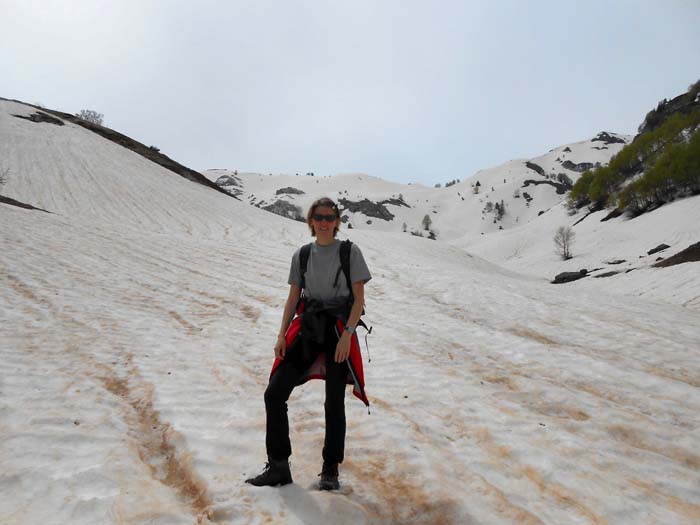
{"x":137,"y":322}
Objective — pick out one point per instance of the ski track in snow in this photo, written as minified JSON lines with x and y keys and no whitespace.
{"x":136,"y":336}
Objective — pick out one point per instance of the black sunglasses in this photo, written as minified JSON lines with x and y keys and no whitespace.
{"x":321,"y":217}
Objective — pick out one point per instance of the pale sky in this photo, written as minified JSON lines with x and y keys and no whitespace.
{"x":410,"y":91}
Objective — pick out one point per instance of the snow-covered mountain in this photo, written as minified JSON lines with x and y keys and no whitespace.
{"x":527,"y":188}
{"x":137,"y":320}
{"x":532,"y":195}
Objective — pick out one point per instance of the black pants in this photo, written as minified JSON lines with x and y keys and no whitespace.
{"x":297,"y":361}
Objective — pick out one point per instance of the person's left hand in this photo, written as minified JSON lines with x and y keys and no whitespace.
{"x":342,"y":349}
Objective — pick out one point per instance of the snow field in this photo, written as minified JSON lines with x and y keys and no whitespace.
{"x":136,"y":342}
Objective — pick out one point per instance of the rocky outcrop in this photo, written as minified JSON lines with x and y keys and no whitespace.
{"x":659,"y":248}
{"x":612,"y":215}
{"x":394,"y":202}
{"x":285,"y":209}
{"x":19,"y":204}
{"x":580,"y":167}
{"x":567,"y":277}
{"x":684,"y":103}
{"x":690,"y":254}
{"x":368,"y":208}
{"x":40,"y":116}
{"x":229,"y":180}
{"x":535,"y":167}
{"x":231,"y":184}
{"x":561,"y":188}
{"x":289,"y":191}
{"x":606,"y":274}
{"x":607,"y":139}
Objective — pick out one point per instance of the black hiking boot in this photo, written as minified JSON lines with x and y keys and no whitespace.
{"x":274,"y":474}
{"x":329,"y":477}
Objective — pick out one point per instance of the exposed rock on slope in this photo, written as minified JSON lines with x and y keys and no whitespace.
{"x":288,"y":191}
{"x":285,"y":209}
{"x":567,"y":277}
{"x":684,"y":103}
{"x":395,"y":202}
{"x":13,"y":202}
{"x":580,"y":167}
{"x":368,"y":208}
{"x":535,"y":167}
{"x":456,"y":209}
{"x":560,"y":187}
{"x":690,"y":254}
{"x":40,"y":116}
{"x":231,"y":183}
{"x":606,"y":138}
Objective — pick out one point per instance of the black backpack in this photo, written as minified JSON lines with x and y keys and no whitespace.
{"x":345,"y":247}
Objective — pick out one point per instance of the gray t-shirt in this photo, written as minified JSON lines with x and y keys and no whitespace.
{"x":321,"y":269}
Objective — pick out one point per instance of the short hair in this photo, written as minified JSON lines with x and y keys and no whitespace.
{"x":326,"y":203}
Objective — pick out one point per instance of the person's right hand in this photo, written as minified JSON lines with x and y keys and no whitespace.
{"x":280,"y":347}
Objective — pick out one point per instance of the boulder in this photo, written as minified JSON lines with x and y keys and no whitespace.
{"x":567,"y":277}
{"x":659,"y":248}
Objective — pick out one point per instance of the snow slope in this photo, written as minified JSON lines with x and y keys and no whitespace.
{"x":136,"y":334}
{"x":616,"y":245}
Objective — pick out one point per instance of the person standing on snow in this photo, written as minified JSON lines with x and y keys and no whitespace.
{"x":320,"y":343}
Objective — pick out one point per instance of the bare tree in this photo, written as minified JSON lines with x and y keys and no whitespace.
{"x":90,"y":116}
{"x":3,"y":175}
{"x":427,"y":222}
{"x":563,"y":239}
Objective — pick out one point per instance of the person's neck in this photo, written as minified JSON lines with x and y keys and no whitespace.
{"x":325,"y":242}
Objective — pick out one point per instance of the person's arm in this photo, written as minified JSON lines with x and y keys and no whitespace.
{"x":289,"y":307}
{"x":342,"y":350}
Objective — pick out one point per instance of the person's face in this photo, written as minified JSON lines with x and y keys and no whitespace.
{"x":324,"y":221}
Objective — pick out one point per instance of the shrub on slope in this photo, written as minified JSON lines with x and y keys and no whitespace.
{"x":659,"y":165}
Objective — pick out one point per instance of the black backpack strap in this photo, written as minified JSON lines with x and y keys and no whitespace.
{"x":345,"y":248}
{"x":303,"y":263}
